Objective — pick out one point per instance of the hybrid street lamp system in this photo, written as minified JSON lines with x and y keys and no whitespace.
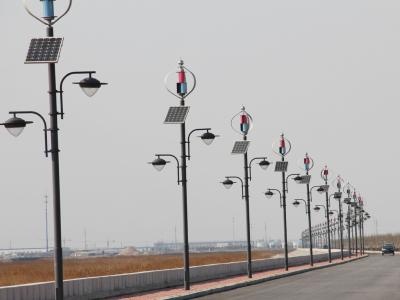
{"x":324,"y":176}
{"x":348,"y":202}
{"x":47,"y":51}
{"x":281,"y":167}
{"x":178,"y":115}
{"x":269,"y":193}
{"x":305,"y":179}
{"x":338,"y":197}
{"x":241,"y":148}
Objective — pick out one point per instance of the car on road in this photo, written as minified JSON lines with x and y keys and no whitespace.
{"x":388,"y":248}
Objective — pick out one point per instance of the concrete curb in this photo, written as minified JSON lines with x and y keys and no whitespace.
{"x":257,"y":281}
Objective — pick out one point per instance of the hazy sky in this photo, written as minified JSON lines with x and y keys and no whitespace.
{"x":326,"y":73}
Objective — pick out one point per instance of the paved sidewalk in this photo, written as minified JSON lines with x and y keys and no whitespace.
{"x":204,"y":288}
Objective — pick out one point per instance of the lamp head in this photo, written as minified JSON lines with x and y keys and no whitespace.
{"x":208,"y":138}
{"x":159,"y":163}
{"x":269,"y":194}
{"x":264,"y":164}
{"x":90,"y":85}
{"x":227,"y":183}
{"x":15,"y":125}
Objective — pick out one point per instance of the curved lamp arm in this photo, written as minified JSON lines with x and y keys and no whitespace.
{"x":177,"y":163}
{"x":251,"y":161}
{"x":329,"y":199}
{"x":305,"y":204}
{"x":61,"y":91}
{"x":188,"y":139}
{"x":287,"y":183}
{"x":280,"y":195}
{"x":25,"y":112}
{"x":323,"y":206}
{"x":314,"y":187}
{"x":241,"y":181}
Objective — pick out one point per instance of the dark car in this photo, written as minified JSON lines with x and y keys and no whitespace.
{"x":388,"y":248}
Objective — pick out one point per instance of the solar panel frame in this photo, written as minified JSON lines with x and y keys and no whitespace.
{"x":305,"y":179}
{"x":337,"y":195}
{"x":44,"y":50}
{"x":281,"y":166}
{"x":240,"y":147}
{"x":325,"y":187}
{"x":176,"y":115}
{"x":347,"y":200}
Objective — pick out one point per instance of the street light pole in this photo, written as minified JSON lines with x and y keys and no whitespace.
{"x":16,"y":125}
{"x":308,"y":212}
{"x":184,"y":204}
{"x":246,"y":198}
{"x":354,"y":204}
{"x":241,"y":147}
{"x":347,"y":201}
{"x":360,"y":220}
{"x":47,"y":227}
{"x":177,"y":115}
{"x":309,"y":164}
{"x":284,"y":218}
{"x":324,"y":175}
{"x":284,"y":149}
{"x":338,"y":197}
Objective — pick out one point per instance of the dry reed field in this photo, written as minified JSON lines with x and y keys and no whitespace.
{"x":375,"y":242}
{"x":20,"y":272}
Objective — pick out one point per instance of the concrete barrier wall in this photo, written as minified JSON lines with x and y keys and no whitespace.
{"x":114,"y":285}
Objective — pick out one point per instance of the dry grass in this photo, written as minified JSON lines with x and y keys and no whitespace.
{"x":375,"y":242}
{"x":20,"y":272}
{"x":372,"y":242}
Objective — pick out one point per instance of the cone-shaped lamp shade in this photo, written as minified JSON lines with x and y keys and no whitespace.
{"x":90,"y":86}
{"x":264,"y":164}
{"x":15,"y":125}
{"x":207,"y":138}
{"x":269,"y":194}
{"x":317,"y":208}
{"x":227,"y":183}
{"x":320,"y":190}
{"x":15,"y":131}
{"x":159,"y":163}
{"x":298,"y":179}
{"x":296,"y":203}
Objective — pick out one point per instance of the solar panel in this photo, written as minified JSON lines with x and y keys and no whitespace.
{"x":44,"y":50}
{"x":281,"y":166}
{"x":176,"y":115}
{"x":325,"y":187}
{"x":240,"y":147}
{"x":337,"y":195}
{"x":347,"y":200}
{"x":305,"y":179}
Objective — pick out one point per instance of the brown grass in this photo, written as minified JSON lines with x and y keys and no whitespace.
{"x":375,"y":242}
{"x":372,"y":242}
{"x":20,"y":272}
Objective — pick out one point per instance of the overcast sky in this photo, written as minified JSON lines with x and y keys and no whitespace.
{"x":326,"y":73}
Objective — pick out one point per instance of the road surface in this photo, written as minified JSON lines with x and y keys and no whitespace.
{"x":373,"y":278}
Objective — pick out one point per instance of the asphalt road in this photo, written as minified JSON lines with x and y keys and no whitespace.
{"x":373,"y":278}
